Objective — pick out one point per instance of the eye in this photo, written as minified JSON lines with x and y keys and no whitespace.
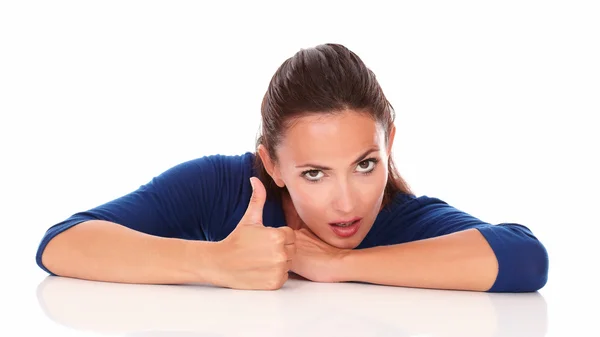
{"x":367,"y":166}
{"x":312,"y":175}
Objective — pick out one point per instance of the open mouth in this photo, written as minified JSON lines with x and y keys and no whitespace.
{"x":344,"y":224}
{"x":346,"y":229}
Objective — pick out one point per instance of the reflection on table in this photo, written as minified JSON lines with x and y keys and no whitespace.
{"x":300,"y":308}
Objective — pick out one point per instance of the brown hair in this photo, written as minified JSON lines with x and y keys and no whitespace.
{"x":326,"y":79}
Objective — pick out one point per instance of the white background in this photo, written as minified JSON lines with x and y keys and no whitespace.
{"x":496,"y":104}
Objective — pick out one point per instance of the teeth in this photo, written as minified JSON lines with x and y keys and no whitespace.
{"x":345,"y":224}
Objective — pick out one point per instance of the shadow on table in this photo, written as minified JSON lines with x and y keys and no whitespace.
{"x":300,"y":308}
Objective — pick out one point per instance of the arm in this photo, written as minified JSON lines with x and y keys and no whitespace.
{"x":177,"y":229}
{"x":143,"y":236}
{"x":106,"y":251}
{"x":461,"y":261}
{"x":428,"y":243}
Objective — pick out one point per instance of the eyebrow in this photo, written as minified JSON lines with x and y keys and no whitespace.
{"x":325,"y":168}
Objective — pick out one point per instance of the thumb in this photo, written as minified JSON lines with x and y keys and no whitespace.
{"x":254,"y":212}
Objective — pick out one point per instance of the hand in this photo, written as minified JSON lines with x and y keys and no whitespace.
{"x":254,"y":256}
{"x":316,"y":260}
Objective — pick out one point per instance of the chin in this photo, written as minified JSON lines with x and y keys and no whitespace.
{"x":349,"y":243}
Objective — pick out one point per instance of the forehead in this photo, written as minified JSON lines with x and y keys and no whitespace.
{"x":329,"y":137}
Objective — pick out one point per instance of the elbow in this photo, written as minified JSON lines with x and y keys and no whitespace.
{"x":45,"y":257}
{"x":522,"y":265}
{"x":52,"y":251}
{"x":535,"y":268}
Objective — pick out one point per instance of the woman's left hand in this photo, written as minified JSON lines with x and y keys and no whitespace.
{"x":316,"y":260}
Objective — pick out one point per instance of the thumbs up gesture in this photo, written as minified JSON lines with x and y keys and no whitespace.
{"x":254,"y":256}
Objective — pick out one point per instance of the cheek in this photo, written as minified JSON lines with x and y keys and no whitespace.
{"x":308,"y":202}
{"x":373,"y":194}
{"x":382,"y":179}
{"x":312,"y":201}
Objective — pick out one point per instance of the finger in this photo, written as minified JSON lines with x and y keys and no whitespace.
{"x":254,"y":212}
{"x":290,"y":235}
{"x":290,"y":251}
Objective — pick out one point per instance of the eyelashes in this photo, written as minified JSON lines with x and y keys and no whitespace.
{"x":374,"y":161}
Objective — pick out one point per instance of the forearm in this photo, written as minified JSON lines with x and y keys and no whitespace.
{"x":462,"y":261}
{"x":105,"y":251}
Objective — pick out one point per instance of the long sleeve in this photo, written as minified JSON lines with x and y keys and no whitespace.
{"x":522,"y":258}
{"x":177,"y":203}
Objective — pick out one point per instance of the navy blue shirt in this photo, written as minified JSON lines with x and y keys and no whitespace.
{"x":205,"y":198}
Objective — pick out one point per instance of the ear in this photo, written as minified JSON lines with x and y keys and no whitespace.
{"x":272,"y":169}
{"x":391,"y":139}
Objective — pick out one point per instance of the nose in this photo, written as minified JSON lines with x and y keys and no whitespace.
{"x":343,"y":200}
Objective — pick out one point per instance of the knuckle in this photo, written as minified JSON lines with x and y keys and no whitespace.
{"x":278,"y":237}
{"x":273,"y":286}
{"x":288,"y":233}
{"x":293,"y":232}
{"x":275,"y":283}
{"x":280,"y":257}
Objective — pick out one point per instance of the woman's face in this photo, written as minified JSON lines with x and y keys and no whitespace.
{"x":335,"y":169}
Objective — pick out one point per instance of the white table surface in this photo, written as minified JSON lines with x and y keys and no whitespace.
{"x":301,"y":308}
{"x":57,"y":306}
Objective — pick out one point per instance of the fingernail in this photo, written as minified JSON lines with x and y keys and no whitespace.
{"x":252,"y":184}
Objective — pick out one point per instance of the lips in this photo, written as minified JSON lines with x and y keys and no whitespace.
{"x":346,"y":231}
{"x":342,"y":221}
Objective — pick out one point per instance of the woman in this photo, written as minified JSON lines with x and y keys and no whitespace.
{"x":319,"y":197}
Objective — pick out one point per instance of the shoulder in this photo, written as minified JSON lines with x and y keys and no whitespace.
{"x":216,"y":163}
{"x":409,"y":217}
{"x":209,"y":180}
{"x":219,"y":186}
{"x":209,"y":170}
{"x":213,"y":175}
{"x":406,"y":209}
{"x":405,"y":204}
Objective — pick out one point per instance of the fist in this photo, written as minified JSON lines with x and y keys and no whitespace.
{"x":254,"y":256}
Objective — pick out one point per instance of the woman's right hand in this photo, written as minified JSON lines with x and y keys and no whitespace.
{"x":254,"y":256}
